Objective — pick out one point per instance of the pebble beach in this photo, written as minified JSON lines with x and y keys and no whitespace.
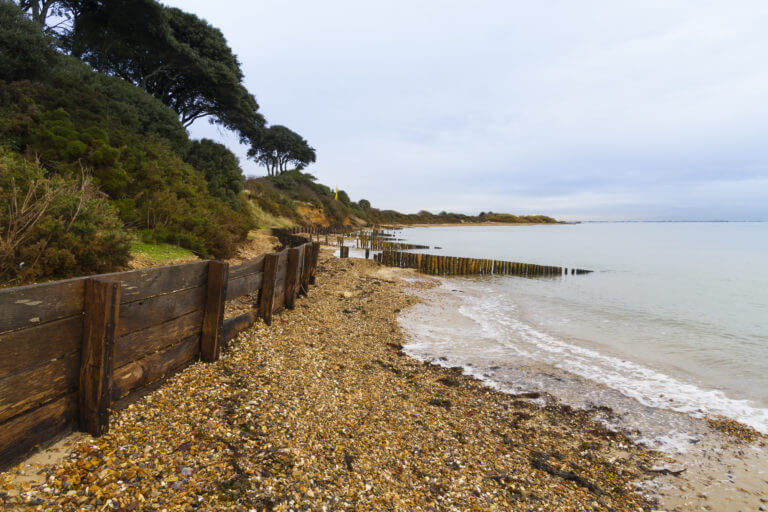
{"x":323,"y":411}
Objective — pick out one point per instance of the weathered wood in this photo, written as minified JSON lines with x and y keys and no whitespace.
{"x":233,"y":326}
{"x":30,"y":347}
{"x":267,"y":295}
{"x":247,"y":267}
{"x":141,"y":314}
{"x":144,"y":283}
{"x":278,"y":300}
{"x":29,"y":389}
{"x":30,"y":306}
{"x":23,"y":433}
{"x":100,"y":317}
{"x":291,"y":276}
{"x":138,"y":344}
{"x":213,"y":320}
{"x":148,"y":369}
{"x":244,"y":285}
{"x":305,"y":268}
{"x":313,"y":267}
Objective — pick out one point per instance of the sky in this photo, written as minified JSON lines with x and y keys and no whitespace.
{"x":583,"y":110}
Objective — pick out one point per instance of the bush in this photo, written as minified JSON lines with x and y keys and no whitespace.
{"x":25,"y":52}
{"x":54,"y":227}
{"x":220,"y":166}
{"x":118,"y":132}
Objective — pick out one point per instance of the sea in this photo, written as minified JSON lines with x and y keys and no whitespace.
{"x":670,"y":327}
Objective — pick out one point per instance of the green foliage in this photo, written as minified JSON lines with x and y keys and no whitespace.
{"x":131,"y":143}
{"x":270,"y":199}
{"x":53,"y":226}
{"x":364,"y":204}
{"x":174,"y":55}
{"x":278,"y":147}
{"x":344,"y":198}
{"x":25,"y":53}
{"x":221,"y":167}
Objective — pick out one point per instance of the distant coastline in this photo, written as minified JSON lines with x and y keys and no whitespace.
{"x":478,"y":224}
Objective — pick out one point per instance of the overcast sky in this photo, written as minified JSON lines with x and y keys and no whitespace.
{"x":577,"y":109}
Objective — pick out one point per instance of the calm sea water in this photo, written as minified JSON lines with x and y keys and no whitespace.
{"x":674,"y":318}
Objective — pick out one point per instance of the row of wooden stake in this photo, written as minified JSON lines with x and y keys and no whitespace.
{"x":455,"y":266}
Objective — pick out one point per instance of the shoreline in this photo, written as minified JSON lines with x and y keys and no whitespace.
{"x":710,"y":463}
{"x":478,"y":224}
{"x":324,"y":409}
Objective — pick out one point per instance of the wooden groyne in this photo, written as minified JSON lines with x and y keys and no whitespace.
{"x":368,"y":240}
{"x":75,"y":350}
{"x":455,"y":266}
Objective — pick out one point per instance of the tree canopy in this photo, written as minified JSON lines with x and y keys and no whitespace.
{"x":220,"y":166}
{"x":174,"y":55}
{"x":25,"y":52}
{"x":280,"y":147}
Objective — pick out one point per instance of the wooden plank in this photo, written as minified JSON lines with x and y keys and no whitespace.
{"x":100,"y":317}
{"x":278,"y":300}
{"x":213,"y":319}
{"x":139,"y":393}
{"x":29,"y":306}
{"x":30,"y":347}
{"x":267,"y":295}
{"x":27,"y":390}
{"x":244,"y":285}
{"x":247,"y":267}
{"x":141,"y":314}
{"x":23,"y":433}
{"x":233,"y":326}
{"x":153,"y":367}
{"x":304,"y":280}
{"x":313,"y":267}
{"x":138,"y":344}
{"x":291,"y":276}
{"x":140,"y":284}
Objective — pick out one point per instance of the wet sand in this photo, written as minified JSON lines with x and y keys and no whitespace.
{"x":704,"y":464}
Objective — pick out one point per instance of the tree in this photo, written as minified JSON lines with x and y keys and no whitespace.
{"x":364,"y":204}
{"x":278,"y":147}
{"x":25,"y":52}
{"x":40,"y":10}
{"x":220,"y":166}
{"x":175,"y":56}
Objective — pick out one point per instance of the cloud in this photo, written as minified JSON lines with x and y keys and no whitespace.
{"x":581,"y":109}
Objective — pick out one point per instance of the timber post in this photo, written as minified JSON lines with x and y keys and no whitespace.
{"x":291,"y":276}
{"x":100,"y":317}
{"x":267,"y":296}
{"x":313,"y":266}
{"x":212,"y":334}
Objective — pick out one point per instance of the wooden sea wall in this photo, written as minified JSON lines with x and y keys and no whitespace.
{"x":74,"y":350}
{"x":455,"y":266}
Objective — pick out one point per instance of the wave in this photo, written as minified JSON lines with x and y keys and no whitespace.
{"x":492,"y":321}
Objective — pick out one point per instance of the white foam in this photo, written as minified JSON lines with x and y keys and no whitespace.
{"x":496,"y":319}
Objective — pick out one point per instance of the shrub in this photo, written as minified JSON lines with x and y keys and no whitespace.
{"x":220,"y":166}
{"x":54,"y":227}
{"x":25,"y":52}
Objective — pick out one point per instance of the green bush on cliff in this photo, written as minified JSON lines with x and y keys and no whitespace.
{"x":54,"y":226}
{"x":25,"y":53}
{"x":132,"y":145}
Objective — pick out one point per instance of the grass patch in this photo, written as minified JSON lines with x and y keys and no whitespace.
{"x":266,"y":220}
{"x":159,"y":253}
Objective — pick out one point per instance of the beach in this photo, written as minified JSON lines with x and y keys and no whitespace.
{"x":323,"y":410}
